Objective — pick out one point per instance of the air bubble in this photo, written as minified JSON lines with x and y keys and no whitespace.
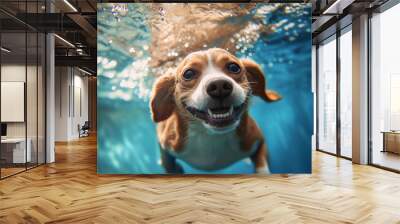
{"x":161,"y":11}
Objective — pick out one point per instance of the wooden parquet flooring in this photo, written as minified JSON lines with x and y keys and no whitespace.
{"x":70,"y":191}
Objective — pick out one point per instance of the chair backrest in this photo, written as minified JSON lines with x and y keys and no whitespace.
{"x":86,"y":125}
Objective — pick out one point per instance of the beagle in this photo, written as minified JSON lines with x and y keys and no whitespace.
{"x":201,"y":112}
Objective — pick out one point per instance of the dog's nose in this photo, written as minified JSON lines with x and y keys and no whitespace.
{"x":219,"y":89}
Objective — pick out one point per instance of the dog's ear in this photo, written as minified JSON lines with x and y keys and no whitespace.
{"x":162,"y":102}
{"x":256,"y":79}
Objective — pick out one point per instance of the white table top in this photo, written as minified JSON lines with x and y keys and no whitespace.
{"x":13,"y":140}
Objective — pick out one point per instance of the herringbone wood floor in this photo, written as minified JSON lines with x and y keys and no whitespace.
{"x":70,"y":191}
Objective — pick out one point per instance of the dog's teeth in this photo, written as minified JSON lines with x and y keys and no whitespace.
{"x":220,"y":115}
{"x":231,"y":110}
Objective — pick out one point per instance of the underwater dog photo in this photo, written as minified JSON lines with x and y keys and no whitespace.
{"x":204,"y":88}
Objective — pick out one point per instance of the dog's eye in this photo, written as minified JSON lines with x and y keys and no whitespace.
{"x":233,"y":68}
{"x":189,"y":74}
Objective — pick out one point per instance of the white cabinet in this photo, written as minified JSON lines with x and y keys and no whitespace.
{"x":19,"y":155}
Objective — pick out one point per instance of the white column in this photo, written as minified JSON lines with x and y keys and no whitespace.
{"x":50,"y":100}
{"x":360,"y":90}
{"x":314,"y":91}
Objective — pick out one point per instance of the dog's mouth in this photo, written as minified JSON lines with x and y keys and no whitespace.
{"x":218,"y":117}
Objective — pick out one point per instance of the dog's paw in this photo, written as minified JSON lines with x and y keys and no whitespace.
{"x":176,"y":169}
{"x":263,"y":170}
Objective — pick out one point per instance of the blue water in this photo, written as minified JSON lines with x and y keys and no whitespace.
{"x":127,"y":142}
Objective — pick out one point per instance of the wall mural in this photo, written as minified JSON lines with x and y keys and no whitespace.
{"x":204,"y":88}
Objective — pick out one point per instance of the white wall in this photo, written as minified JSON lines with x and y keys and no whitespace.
{"x":71,"y":94}
{"x":11,"y":73}
{"x":386,"y":68}
{"x":346,"y":75}
{"x":80,"y":103}
{"x":314,"y":90}
{"x":385,"y":71}
{"x":16,"y":73}
{"x":33,"y":127}
{"x":327,"y":96}
{"x":62,"y":81}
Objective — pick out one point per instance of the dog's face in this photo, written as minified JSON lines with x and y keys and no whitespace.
{"x":210,"y":86}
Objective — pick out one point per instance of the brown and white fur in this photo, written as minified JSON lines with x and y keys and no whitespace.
{"x":203,"y":119}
